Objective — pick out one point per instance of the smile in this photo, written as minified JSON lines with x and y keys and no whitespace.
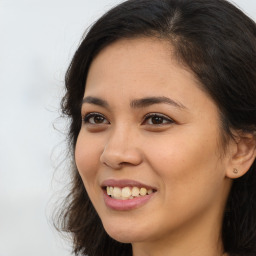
{"x":123,"y":195}
{"x":127,"y":192}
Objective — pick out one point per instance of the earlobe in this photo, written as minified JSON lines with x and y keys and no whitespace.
{"x":243,"y":155}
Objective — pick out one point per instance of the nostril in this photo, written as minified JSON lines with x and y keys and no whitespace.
{"x":113,"y":165}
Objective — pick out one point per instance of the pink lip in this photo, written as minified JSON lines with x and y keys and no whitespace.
{"x":129,"y":204}
{"x":126,"y":205}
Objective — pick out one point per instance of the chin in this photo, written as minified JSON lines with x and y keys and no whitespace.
{"x":124,"y":233}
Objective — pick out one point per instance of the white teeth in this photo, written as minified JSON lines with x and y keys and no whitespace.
{"x":135,"y":191}
{"x":117,"y":192}
{"x":108,"y":191}
{"x":143,"y":191}
{"x":127,"y":192}
{"x":150,"y":191}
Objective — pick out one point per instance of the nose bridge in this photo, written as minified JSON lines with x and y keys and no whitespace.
{"x":121,"y":147}
{"x":119,"y":135}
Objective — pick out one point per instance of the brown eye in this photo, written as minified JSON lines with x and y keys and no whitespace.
{"x":95,"y":118}
{"x":98,"y":119}
{"x":157,"y":119}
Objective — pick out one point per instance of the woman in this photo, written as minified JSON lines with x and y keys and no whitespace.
{"x":161,"y":97}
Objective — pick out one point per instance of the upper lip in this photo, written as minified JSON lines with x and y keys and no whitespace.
{"x":125,"y":183}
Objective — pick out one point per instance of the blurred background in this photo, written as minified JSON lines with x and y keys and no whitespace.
{"x":37,"y":41}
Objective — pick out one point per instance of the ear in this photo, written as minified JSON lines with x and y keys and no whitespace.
{"x":242,"y":154}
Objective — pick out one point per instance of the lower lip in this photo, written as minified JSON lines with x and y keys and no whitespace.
{"x":128,"y":204}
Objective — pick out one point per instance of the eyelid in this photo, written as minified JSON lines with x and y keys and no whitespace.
{"x":87,"y":116}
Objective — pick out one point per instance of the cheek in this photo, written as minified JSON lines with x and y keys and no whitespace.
{"x":180,"y":154}
{"x":188,"y":167}
{"x":86,"y":157}
{"x":87,"y":153}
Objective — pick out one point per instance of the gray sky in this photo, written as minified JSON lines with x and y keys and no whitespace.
{"x":38,"y":39}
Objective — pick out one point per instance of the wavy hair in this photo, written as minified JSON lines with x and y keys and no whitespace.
{"x":217,"y":42}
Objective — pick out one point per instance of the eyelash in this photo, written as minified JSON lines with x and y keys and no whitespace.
{"x":86,"y":118}
{"x":167,"y":120}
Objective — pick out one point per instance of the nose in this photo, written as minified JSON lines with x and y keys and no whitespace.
{"x":121,"y":149}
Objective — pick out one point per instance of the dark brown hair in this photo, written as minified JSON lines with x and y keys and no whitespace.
{"x":217,"y":42}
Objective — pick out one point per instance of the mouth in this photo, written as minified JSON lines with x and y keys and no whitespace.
{"x":125,"y":195}
{"x":127,"y":192}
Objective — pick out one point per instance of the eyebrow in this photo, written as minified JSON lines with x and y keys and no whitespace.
{"x":145,"y":102}
{"x":95,"y":101}
{"x":137,"y":103}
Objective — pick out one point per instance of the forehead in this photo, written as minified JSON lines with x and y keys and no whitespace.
{"x":140,"y":67}
{"x":140,"y":61}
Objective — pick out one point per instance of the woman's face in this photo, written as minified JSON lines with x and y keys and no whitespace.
{"x":151,"y":139}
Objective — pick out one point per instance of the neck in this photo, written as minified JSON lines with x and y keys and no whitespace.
{"x":198,"y":249}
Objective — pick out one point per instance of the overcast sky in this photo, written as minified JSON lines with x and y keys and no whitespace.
{"x":37,"y":41}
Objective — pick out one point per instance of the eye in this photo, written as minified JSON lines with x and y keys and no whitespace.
{"x":95,"y":119}
{"x":157,"y":119}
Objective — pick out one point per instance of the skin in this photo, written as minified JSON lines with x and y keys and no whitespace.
{"x":182,"y":157}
